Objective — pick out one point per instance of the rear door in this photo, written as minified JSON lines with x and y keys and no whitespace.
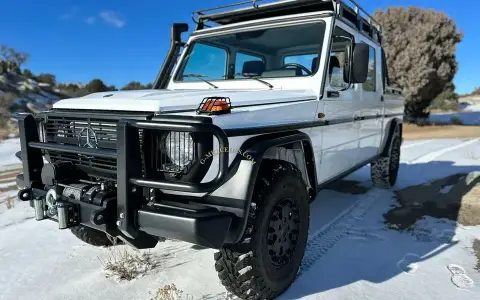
{"x":370,"y":114}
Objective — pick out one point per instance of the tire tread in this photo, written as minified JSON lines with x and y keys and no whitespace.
{"x":91,"y":236}
{"x":237,"y":266}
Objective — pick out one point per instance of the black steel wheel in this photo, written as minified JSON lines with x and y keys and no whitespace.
{"x":267,"y":259}
{"x":283,"y":232}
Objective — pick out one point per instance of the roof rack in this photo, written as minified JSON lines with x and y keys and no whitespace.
{"x":250,"y":10}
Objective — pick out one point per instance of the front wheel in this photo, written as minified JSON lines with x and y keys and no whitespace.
{"x":93,"y":237}
{"x":266,"y":262}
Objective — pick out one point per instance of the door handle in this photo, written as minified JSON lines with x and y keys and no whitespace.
{"x":357,"y":118}
{"x":333,"y":94}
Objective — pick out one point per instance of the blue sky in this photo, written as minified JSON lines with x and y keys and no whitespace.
{"x":120,"y":41}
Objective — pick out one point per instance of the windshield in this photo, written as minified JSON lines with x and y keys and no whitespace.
{"x":288,"y":51}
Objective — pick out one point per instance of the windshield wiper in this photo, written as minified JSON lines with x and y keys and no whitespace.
{"x":255,"y":77}
{"x":200,"y":76}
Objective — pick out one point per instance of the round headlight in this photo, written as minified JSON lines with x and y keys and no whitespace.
{"x":179,"y":147}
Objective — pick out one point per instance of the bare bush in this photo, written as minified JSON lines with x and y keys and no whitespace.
{"x":446,"y":100}
{"x":6,"y":102}
{"x":123,"y":264}
{"x":10,"y":204}
{"x":171,"y":292}
{"x":16,"y":57}
{"x":456,"y":120}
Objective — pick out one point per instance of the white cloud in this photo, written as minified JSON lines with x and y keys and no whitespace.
{"x":69,"y":15}
{"x":90,"y":20}
{"x":113,"y":18}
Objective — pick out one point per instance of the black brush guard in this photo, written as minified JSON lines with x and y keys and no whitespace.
{"x":199,"y":224}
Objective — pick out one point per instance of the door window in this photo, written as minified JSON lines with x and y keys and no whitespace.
{"x":337,"y":58}
{"x":370,"y":84}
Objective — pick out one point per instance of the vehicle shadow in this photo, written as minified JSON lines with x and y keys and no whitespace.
{"x":370,"y":250}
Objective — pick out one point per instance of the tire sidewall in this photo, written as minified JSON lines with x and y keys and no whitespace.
{"x":291,"y":187}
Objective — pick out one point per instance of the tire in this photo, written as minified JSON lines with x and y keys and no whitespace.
{"x":93,"y":237}
{"x":257,"y":267}
{"x":384,"y":170}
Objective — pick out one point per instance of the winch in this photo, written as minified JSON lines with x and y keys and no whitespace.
{"x":62,"y":201}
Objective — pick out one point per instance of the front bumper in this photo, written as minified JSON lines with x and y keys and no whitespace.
{"x":189,"y":219}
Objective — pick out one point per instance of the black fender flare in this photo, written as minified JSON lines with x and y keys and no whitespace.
{"x":389,"y":130}
{"x":256,"y":147}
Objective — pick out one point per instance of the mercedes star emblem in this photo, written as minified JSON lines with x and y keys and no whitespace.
{"x":87,"y":138}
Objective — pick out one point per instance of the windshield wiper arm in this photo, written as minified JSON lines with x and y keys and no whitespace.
{"x":200,"y":76}
{"x":255,"y":77}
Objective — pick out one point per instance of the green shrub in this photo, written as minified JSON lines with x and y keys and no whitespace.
{"x":456,"y":120}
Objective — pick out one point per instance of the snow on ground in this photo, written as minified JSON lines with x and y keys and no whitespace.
{"x":8,"y":148}
{"x":350,"y":253}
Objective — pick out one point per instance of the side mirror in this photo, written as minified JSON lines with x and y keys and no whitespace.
{"x":361,"y":54}
{"x":347,"y":65}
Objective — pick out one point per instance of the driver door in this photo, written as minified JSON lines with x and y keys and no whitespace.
{"x":339,"y":146}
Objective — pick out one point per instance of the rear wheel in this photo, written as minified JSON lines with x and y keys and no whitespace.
{"x":93,"y":237}
{"x":266,"y":261}
{"x":384,"y":170}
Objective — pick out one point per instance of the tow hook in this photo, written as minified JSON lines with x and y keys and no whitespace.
{"x":24,"y":195}
{"x":39,"y":206}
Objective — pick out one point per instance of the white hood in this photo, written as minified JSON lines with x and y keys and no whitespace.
{"x":177,"y":100}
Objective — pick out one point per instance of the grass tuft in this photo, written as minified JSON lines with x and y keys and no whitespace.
{"x":10,"y":202}
{"x":123,"y":264}
{"x":171,"y":292}
{"x":476,"y":249}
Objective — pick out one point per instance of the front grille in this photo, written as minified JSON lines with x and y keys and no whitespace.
{"x":170,"y":155}
{"x":67,"y":130}
{"x":104,"y":165}
{"x":72,"y":130}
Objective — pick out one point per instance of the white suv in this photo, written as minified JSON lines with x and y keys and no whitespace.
{"x":265,"y":106}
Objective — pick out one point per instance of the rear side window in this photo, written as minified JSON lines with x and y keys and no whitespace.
{"x":386,"y":80}
{"x":370,"y":84}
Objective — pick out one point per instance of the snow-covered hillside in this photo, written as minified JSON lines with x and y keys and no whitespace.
{"x":351,"y":254}
{"x":32,"y":95}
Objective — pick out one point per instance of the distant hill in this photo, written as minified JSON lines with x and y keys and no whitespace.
{"x":472,"y":99}
{"x":29,"y":95}
{"x":469,"y":101}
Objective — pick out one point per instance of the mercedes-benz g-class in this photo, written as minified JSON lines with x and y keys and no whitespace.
{"x":247,"y":120}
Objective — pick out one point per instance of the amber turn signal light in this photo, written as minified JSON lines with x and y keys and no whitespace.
{"x":215,"y":106}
